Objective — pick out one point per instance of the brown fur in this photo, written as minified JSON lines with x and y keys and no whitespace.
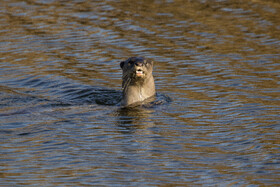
{"x":137,"y":80}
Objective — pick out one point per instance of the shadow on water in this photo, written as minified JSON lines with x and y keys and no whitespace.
{"x":130,"y":119}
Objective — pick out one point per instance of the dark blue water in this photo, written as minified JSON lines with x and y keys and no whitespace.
{"x":215,"y":121}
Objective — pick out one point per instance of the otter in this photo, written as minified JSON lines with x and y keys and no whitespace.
{"x":137,"y":80}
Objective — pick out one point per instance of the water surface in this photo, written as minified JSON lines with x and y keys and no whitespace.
{"x":217,"y":76}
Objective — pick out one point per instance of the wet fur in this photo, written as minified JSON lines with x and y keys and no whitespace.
{"x":137,"y":88}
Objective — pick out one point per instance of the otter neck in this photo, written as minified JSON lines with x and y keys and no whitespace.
{"x":137,"y":92}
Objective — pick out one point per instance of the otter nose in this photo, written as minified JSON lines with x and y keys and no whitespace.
{"x":139,"y":63}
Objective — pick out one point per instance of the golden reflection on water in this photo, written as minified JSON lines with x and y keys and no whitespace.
{"x":217,"y":60}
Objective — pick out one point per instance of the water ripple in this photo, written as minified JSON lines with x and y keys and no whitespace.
{"x":215,"y":118}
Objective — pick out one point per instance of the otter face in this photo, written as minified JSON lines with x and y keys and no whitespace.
{"x":137,"y":67}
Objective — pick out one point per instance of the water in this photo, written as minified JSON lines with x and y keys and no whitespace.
{"x":217,"y":77}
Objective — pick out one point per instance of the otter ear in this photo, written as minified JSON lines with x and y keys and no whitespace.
{"x":121,"y":64}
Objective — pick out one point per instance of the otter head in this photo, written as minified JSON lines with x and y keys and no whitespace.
{"x":137,"y":69}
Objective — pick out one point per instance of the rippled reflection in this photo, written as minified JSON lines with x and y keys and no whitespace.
{"x":215,"y":121}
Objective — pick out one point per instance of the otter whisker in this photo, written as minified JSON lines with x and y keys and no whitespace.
{"x":125,"y":78}
{"x":126,"y":84}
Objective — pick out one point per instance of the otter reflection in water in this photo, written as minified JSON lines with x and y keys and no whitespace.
{"x":137,"y":80}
